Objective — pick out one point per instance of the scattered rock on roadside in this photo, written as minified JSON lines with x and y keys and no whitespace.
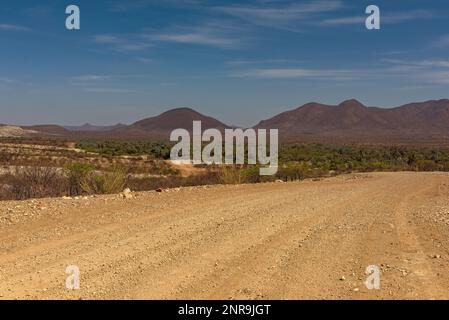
{"x":127,"y":194}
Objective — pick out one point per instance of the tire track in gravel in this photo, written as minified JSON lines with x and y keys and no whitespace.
{"x":266,"y":241}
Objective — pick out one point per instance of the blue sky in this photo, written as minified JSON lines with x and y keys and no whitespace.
{"x":239,"y":61}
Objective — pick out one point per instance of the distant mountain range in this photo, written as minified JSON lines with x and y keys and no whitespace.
{"x":162,"y":125}
{"x":350,"y":121}
{"x":353,"y":121}
{"x":92,"y":128}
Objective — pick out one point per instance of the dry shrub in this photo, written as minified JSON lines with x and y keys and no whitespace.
{"x":76,"y":173}
{"x":36,"y":182}
{"x":109,"y":182}
{"x":231,"y":175}
{"x":153,"y":183}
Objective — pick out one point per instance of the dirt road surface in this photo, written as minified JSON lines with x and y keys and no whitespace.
{"x":299,"y":240}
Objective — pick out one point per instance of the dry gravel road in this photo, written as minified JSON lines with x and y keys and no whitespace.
{"x":301,"y":240}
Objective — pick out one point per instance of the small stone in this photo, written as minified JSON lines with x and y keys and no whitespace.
{"x":127,"y":195}
{"x":343,"y":278}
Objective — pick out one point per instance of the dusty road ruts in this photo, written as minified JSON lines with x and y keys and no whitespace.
{"x":300,"y":240}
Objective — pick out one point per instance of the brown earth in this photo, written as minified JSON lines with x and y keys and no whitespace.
{"x":301,"y":240}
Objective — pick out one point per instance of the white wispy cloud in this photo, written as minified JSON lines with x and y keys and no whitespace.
{"x":39,"y":10}
{"x":199,"y":38}
{"x":101,"y":82}
{"x":442,"y":41}
{"x":399,"y":17}
{"x":434,"y":63}
{"x":433,"y":71}
{"x":91,"y":77}
{"x":144,"y":60}
{"x":420,"y":72}
{"x":392,"y":53}
{"x":438,"y":77}
{"x":284,"y":16}
{"x":125,"y":6}
{"x":290,"y":73}
{"x":13,"y":27}
{"x":95,"y":83}
{"x":416,"y":87}
{"x":385,"y":18}
{"x":212,"y":32}
{"x":236,"y":63}
{"x":7,"y":80}
{"x":110,"y":90}
{"x":107,"y":39}
{"x":216,"y":33}
{"x":121,"y":42}
{"x":343,"y":21}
